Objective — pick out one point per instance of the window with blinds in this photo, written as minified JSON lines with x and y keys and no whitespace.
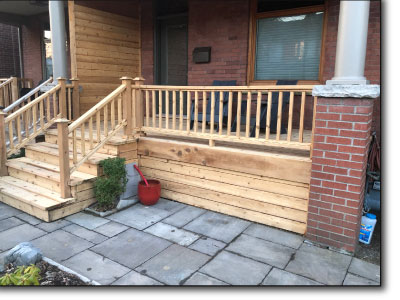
{"x":288,"y":47}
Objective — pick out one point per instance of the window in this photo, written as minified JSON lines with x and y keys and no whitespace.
{"x":286,"y":44}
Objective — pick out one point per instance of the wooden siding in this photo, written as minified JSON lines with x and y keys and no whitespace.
{"x":267,"y":188}
{"x":104,"y":48}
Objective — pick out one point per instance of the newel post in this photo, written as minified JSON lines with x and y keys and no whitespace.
{"x":14,"y":89}
{"x":75,"y":98}
{"x":62,"y":99}
{"x":63,"y":152}
{"x":139,"y":107}
{"x":3,"y":147}
{"x":127,"y":106}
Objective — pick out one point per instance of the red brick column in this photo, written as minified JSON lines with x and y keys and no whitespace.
{"x":339,"y":161}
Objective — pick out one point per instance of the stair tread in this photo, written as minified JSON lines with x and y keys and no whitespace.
{"x":46,"y":170}
{"x":52,"y":149}
{"x":34,"y":195}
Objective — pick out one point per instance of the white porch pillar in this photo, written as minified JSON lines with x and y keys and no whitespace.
{"x":58,"y":40}
{"x":351,"y":43}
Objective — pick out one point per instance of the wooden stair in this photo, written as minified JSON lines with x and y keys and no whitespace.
{"x":33,"y":184}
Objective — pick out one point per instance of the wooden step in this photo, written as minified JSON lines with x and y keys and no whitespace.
{"x":47,"y":175}
{"x":38,"y":201}
{"x":48,"y":153}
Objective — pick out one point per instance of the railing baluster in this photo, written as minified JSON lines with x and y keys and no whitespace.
{"x":69,"y":104}
{"x":221,"y":111}
{"x":290,"y":120}
{"x":258,"y":115}
{"x":55,"y":104}
{"x":204,"y":114}
{"x":147,"y":110}
{"x":313,"y":125}
{"x":98,"y":127}
{"x":74,"y":148}
{"x":41,"y":115}
{"x":228,"y":129}
{"x":83,"y":139}
{"x":34,"y":117}
{"x":212,"y":113}
{"x":166,"y":109}
{"x":196,"y":110}
{"x":119,"y":107}
{"x":279,"y":121}
{"x":239,"y":114}
{"x":91,"y":133}
{"x":160,"y":109}
{"x":268,"y":125}
{"x":188,"y":109}
{"x":248,"y":114}
{"x":153,"y":107}
{"x":18,"y":120}
{"x":112,"y":114}
{"x":301,"y":126}
{"x":26,"y":117}
{"x":105,"y":120}
{"x":180,"y":110}
{"x":173,"y":110}
{"x":11,"y":134}
{"x":48,"y":109}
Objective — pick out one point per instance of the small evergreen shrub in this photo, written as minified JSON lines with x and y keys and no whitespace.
{"x":22,"y":276}
{"x":112,"y":184}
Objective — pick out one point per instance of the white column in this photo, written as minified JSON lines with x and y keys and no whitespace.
{"x":58,"y":39}
{"x":351,"y":43}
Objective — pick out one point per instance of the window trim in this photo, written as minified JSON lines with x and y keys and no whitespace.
{"x":254,"y":16}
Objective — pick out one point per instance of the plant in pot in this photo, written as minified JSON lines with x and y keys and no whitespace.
{"x":109,"y":187}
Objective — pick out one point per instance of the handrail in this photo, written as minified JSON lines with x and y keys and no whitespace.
{"x":307,"y":88}
{"x":6,"y":82}
{"x":25,"y":97}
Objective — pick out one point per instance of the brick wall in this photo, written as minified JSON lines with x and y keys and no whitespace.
{"x":342,"y":130}
{"x":9,"y":51}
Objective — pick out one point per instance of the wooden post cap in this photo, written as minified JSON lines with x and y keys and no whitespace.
{"x":126,"y":78}
{"x":140,"y":78}
{"x":62,"y":120}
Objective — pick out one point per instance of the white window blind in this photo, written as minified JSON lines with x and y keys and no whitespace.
{"x":289,"y":47}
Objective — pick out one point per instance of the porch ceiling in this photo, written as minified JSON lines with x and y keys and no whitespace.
{"x":24,"y":8}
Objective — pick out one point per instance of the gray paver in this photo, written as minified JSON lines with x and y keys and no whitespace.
{"x":235,"y":269}
{"x":319,"y":264}
{"x":2,"y":256}
{"x":173,"y":234}
{"x":365,"y":269}
{"x":29,"y":219}
{"x":87,"y":221}
{"x":184,"y":216}
{"x":218,"y":226}
{"x":9,"y":223}
{"x":131,"y":247}
{"x":139,"y":216}
{"x":168,"y":205}
{"x":8,"y":211}
{"x":357,"y":280}
{"x":111,"y":228}
{"x":86,"y":234}
{"x":134,"y":278}
{"x":173,"y":265}
{"x":261,"y":250}
{"x":60,"y":245}
{"x":22,"y":233}
{"x":96,"y":267}
{"x":275,"y":235}
{"x":207,"y":245}
{"x":281,"y":277}
{"x":53,"y":226}
{"x":202,"y":279}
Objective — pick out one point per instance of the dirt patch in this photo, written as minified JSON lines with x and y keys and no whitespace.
{"x":371,"y":252}
{"x":51,"y":275}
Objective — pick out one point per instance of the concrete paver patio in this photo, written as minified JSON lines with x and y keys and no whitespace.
{"x":175,"y":244}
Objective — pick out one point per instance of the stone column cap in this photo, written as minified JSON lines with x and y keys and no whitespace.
{"x":347,"y":91}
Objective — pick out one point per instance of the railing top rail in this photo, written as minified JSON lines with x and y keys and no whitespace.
{"x":23,"y":98}
{"x":34,"y":102}
{"x":78,"y":122}
{"x":294,"y":88}
{"x":6,"y":81}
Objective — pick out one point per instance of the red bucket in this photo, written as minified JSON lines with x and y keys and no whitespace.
{"x":149,"y":195}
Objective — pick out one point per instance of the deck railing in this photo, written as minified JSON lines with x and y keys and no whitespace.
{"x":213,"y":113}
{"x":10,"y":87}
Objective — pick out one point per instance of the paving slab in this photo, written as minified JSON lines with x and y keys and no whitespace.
{"x":281,"y":277}
{"x":82,"y":232}
{"x":29,"y":219}
{"x":365,"y":269}
{"x":111,"y":229}
{"x":207,"y":245}
{"x":60,"y":245}
{"x":22,"y":233}
{"x":275,"y":235}
{"x":202,"y":279}
{"x":135,"y":278}
{"x":319,"y":264}
{"x":8,"y":211}
{"x":169,"y":205}
{"x":172,"y":233}
{"x":86,"y":220}
{"x":235,"y":269}
{"x":261,"y":250}
{"x":184,"y":216}
{"x":218,"y":226}
{"x":2,"y":256}
{"x":139,"y":216}
{"x":131,"y":248}
{"x":53,"y":226}
{"x":9,"y":223}
{"x":96,"y":267}
{"x":357,"y":280}
{"x":173,"y":265}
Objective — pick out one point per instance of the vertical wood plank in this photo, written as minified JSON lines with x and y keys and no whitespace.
{"x":196,"y":110}
{"x":159,"y":109}
{"x":279,"y":121}
{"x":153,"y":106}
{"x":55,"y":111}
{"x":83,"y":139}
{"x":290,"y":119}
{"x":18,"y":120}
{"x":239,"y":114}
{"x":212,"y":115}
{"x":221,"y":110}
{"x":188,"y":109}
{"x":180,"y":110}
{"x":166,"y":109}
{"x":26,"y":114}
{"x":91,"y":133}
{"x":147,"y":109}
{"x":248,"y":114}
{"x":11,"y":134}
{"x":48,"y":108}
{"x":119,"y":108}
{"x":63,"y":155}
{"x":41,"y":114}
{"x":34,"y":117}
{"x":74,"y":147}
{"x":228,"y":129}
{"x":98,"y":126}
{"x":268,"y":125}
{"x":302,"y":108}
{"x":105,"y":120}
{"x":3,"y":147}
{"x":258,"y":115}
{"x":112,"y":114}
{"x":204,"y":113}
